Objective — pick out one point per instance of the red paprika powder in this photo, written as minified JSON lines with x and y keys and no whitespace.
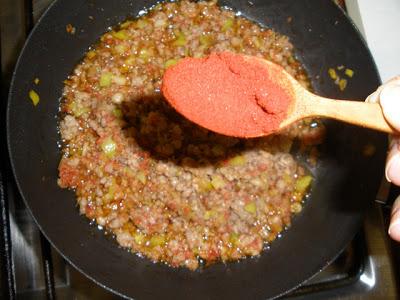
{"x":228,"y":94}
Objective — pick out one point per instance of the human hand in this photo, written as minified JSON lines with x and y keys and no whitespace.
{"x":388,"y":95}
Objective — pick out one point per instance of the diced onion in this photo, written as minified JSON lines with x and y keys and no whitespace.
{"x":109,"y":147}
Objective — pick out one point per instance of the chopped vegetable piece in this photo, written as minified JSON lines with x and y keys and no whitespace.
{"x":234,"y":238}
{"x":206,"y":40}
{"x":105,"y":79}
{"x":130,"y":60}
{"x":250,"y":208}
{"x":349,"y":72}
{"x":120,"y":80}
{"x":141,"y":24}
{"x":34,"y":97}
{"x":120,"y":49}
{"x":125,"y":24}
{"x":117,"y":113}
{"x":217,"y":181}
{"x":139,"y":238}
{"x":157,"y":240}
{"x":111,"y":191}
{"x":342,"y":84}
{"x":295,"y":207}
{"x":238,"y":160}
{"x":209,"y":214}
{"x":144,"y":54}
{"x":258,"y":42}
{"x":36,"y":81}
{"x":170,"y":62}
{"x":70,"y":29}
{"x":205,"y":185}
{"x":77,"y":110}
{"x":141,"y":177}
{"x":91,"y":54}
{"x":109,"y":147}
{"x":303,"y":183}
{"x":122,"y":34}
{"x":228,"y":24}
{"x":180,"y":39}
{"x":332,"y":73}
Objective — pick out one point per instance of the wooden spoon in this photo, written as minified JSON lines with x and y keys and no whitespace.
{"x":205,"y":91}
{"x":307,"y":104}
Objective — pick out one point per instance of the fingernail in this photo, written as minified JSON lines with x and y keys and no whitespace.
{"x":395,"y":206}
{"x":392,"y":170}
{"x":390,"y":101}
{"x":394,"y":227}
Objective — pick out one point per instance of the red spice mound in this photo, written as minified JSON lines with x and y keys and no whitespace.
{"x":228,"y":94}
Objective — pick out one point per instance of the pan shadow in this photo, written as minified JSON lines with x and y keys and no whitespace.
{"x":166,"y":135}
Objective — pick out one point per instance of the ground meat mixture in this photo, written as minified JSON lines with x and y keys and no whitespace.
{"x":165,"y":187}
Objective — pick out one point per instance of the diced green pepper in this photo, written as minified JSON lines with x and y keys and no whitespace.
{"x":206,"y":40}
{"x":180,"y":39}
{"x":141,"y":177}
{"x":117,"y":113}
{"x":238,"y":160}
{"x":125,"y":24}
{"x":342,"y":84}
{"x":332,"y":73}
{"x":209,"y":214}
{"x":170,"y":62}
{"x":217,"y":181}
{"x":139,"y":238}
{"x":157,"y":240}
{"x":121,"y":35}
{"x":205,"y":185}
{"x":34,"y":97}
{"x":105,"y":79}
{"x":227,"y":24}
{"x":250,"y":208}
{"x":303,"y":183}
{"x":77,"y":110}
{"x":91,"y":54}
{"x":349,"y":72}
{"x":234,"y":238}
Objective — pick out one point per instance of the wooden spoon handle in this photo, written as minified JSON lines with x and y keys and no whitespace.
{"x":359,"y":113}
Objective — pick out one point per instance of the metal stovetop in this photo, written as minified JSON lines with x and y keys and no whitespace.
{"x":31,"y":269}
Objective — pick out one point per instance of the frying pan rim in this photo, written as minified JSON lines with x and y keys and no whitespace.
{"x":23,"y":196}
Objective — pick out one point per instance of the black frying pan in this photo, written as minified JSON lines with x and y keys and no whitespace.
{"x":346,"y":181}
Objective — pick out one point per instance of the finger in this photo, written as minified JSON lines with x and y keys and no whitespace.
{"x":394,"y":227}
{"x":374,"y":97}
{"x":390,"y":102}
{"x":393,"y":80}
{"x":392,"y":170}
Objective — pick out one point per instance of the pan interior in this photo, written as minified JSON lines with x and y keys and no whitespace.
{"x":346,"y":182}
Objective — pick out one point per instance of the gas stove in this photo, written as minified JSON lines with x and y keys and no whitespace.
{"x":32,"y":269}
